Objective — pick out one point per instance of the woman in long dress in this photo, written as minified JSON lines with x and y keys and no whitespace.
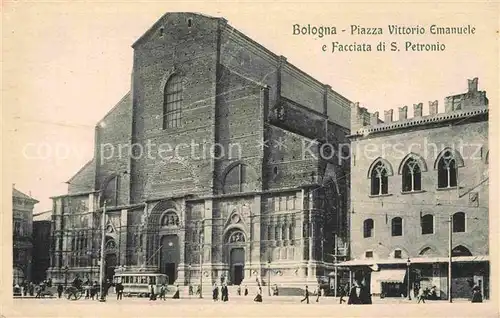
{"x":258,"y":298}
{"x":176,"y":294}
{"x":215,"y":292}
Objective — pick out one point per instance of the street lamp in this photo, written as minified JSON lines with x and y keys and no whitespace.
{"x":269,"y":277}
{"x":408,"y":263}
{"x":189,"y":279}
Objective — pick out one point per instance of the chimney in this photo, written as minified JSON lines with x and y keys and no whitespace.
{"x":388,"y":115}
{"x":374,"y":118}
{"x":433,"y":107}
{"x":417,"y":109}
{"x":403,"y":113}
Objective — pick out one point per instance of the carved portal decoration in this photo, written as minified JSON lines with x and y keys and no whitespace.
{"x":110,"y":244}
{"x":170,"y":219}
{"x":237,"y":237}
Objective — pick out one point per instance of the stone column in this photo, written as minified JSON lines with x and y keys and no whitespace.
{"x":253,"y":261}
{"x":182,"y":267}
{"x":123,"y":237}
{"x":207,"y":247}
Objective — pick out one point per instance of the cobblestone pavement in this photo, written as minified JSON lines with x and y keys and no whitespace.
{"x":242,"y":307}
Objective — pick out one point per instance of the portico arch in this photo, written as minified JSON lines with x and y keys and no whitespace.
{"x":235,"y":240}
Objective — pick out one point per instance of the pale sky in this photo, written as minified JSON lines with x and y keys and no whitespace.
{"x":65,"y":65}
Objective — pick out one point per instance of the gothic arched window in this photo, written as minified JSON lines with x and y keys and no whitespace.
{"x":172,"y":102}
{"x":397,"y":226}
{"x":411,"y":176}
{"x":235,"y":178}
{"x":379,"y":179}
{"x":447,"y":170}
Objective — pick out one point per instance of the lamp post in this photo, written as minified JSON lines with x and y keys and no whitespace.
{"x":269,"y":277}
{"x":450,"y":253}
{"x":201,"y":265}
{"x":189,"y":279}
{"x":408,"y":263}
{"x":103,"y":241}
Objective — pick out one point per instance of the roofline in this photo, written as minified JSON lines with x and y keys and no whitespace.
{"x":74,"y":194}
{"x":148,"y":31}
{"x":114,"y":107}
{"x":28,"y":197}
{"x":81,"y":169}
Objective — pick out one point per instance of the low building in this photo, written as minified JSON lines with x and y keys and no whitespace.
{"x":41,"y":245}
{"x":419,"y":186}
{"x":22,"y":229}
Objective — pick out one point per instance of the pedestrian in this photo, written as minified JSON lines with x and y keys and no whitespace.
{"x":176,"y":293}
{"x":163,"y":292}
{"x":306,"y":295}
{"x":215,"y":292}
{"x":318,"y":293}
{"x":258,"y":297}
{"x":225,"y":293}
{"x":477,"y":297}
{"x":421,"y":295}
{"x":119,"y":291}
{"x":343,"y":292}
{"x":359,"y":294}
{"x":59,"y":290}
{"x":246,"y":291}
{"x":152,"y":295}
{"x":238,"y":291}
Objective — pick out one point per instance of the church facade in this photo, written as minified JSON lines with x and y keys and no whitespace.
{"x":223,"y":160}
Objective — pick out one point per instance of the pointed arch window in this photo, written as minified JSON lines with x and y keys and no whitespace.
{"x":397,"y":226}
{"x":447,"y":170}
{"x":235,"y":179}
{"x":411,"y":176}
{"x":368,"y":228}
{"x":172,"y":102}
{"x":379,"y":179}
{"x":459,"y":222}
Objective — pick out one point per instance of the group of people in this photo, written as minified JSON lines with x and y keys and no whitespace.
{"x":224,"y":292}
{"x":31,"y":289}
{"x":162,"y":293}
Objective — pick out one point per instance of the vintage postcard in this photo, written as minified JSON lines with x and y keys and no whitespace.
{"x":249,"y":159}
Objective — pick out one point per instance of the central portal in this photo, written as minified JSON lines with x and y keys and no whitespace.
{"x":237,"y":264}
{"x":169,"y":257}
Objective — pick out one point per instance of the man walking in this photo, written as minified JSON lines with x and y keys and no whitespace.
{"x":306,"y":296}
{"x":359,"y":294}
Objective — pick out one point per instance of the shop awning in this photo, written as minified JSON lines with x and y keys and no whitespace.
{"x":389,"y":276}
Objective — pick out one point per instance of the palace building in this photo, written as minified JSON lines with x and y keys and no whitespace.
{"x":419,"y":186}
{"x":22,"y":231}
{"x":213,"y":159}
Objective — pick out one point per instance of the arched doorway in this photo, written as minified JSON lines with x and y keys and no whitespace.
{"x":110,"y":264}
{"x":169,"y":257}
{"x":236,"y":241}
{"x":237,"y":264}
{"x":110,"y":259}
